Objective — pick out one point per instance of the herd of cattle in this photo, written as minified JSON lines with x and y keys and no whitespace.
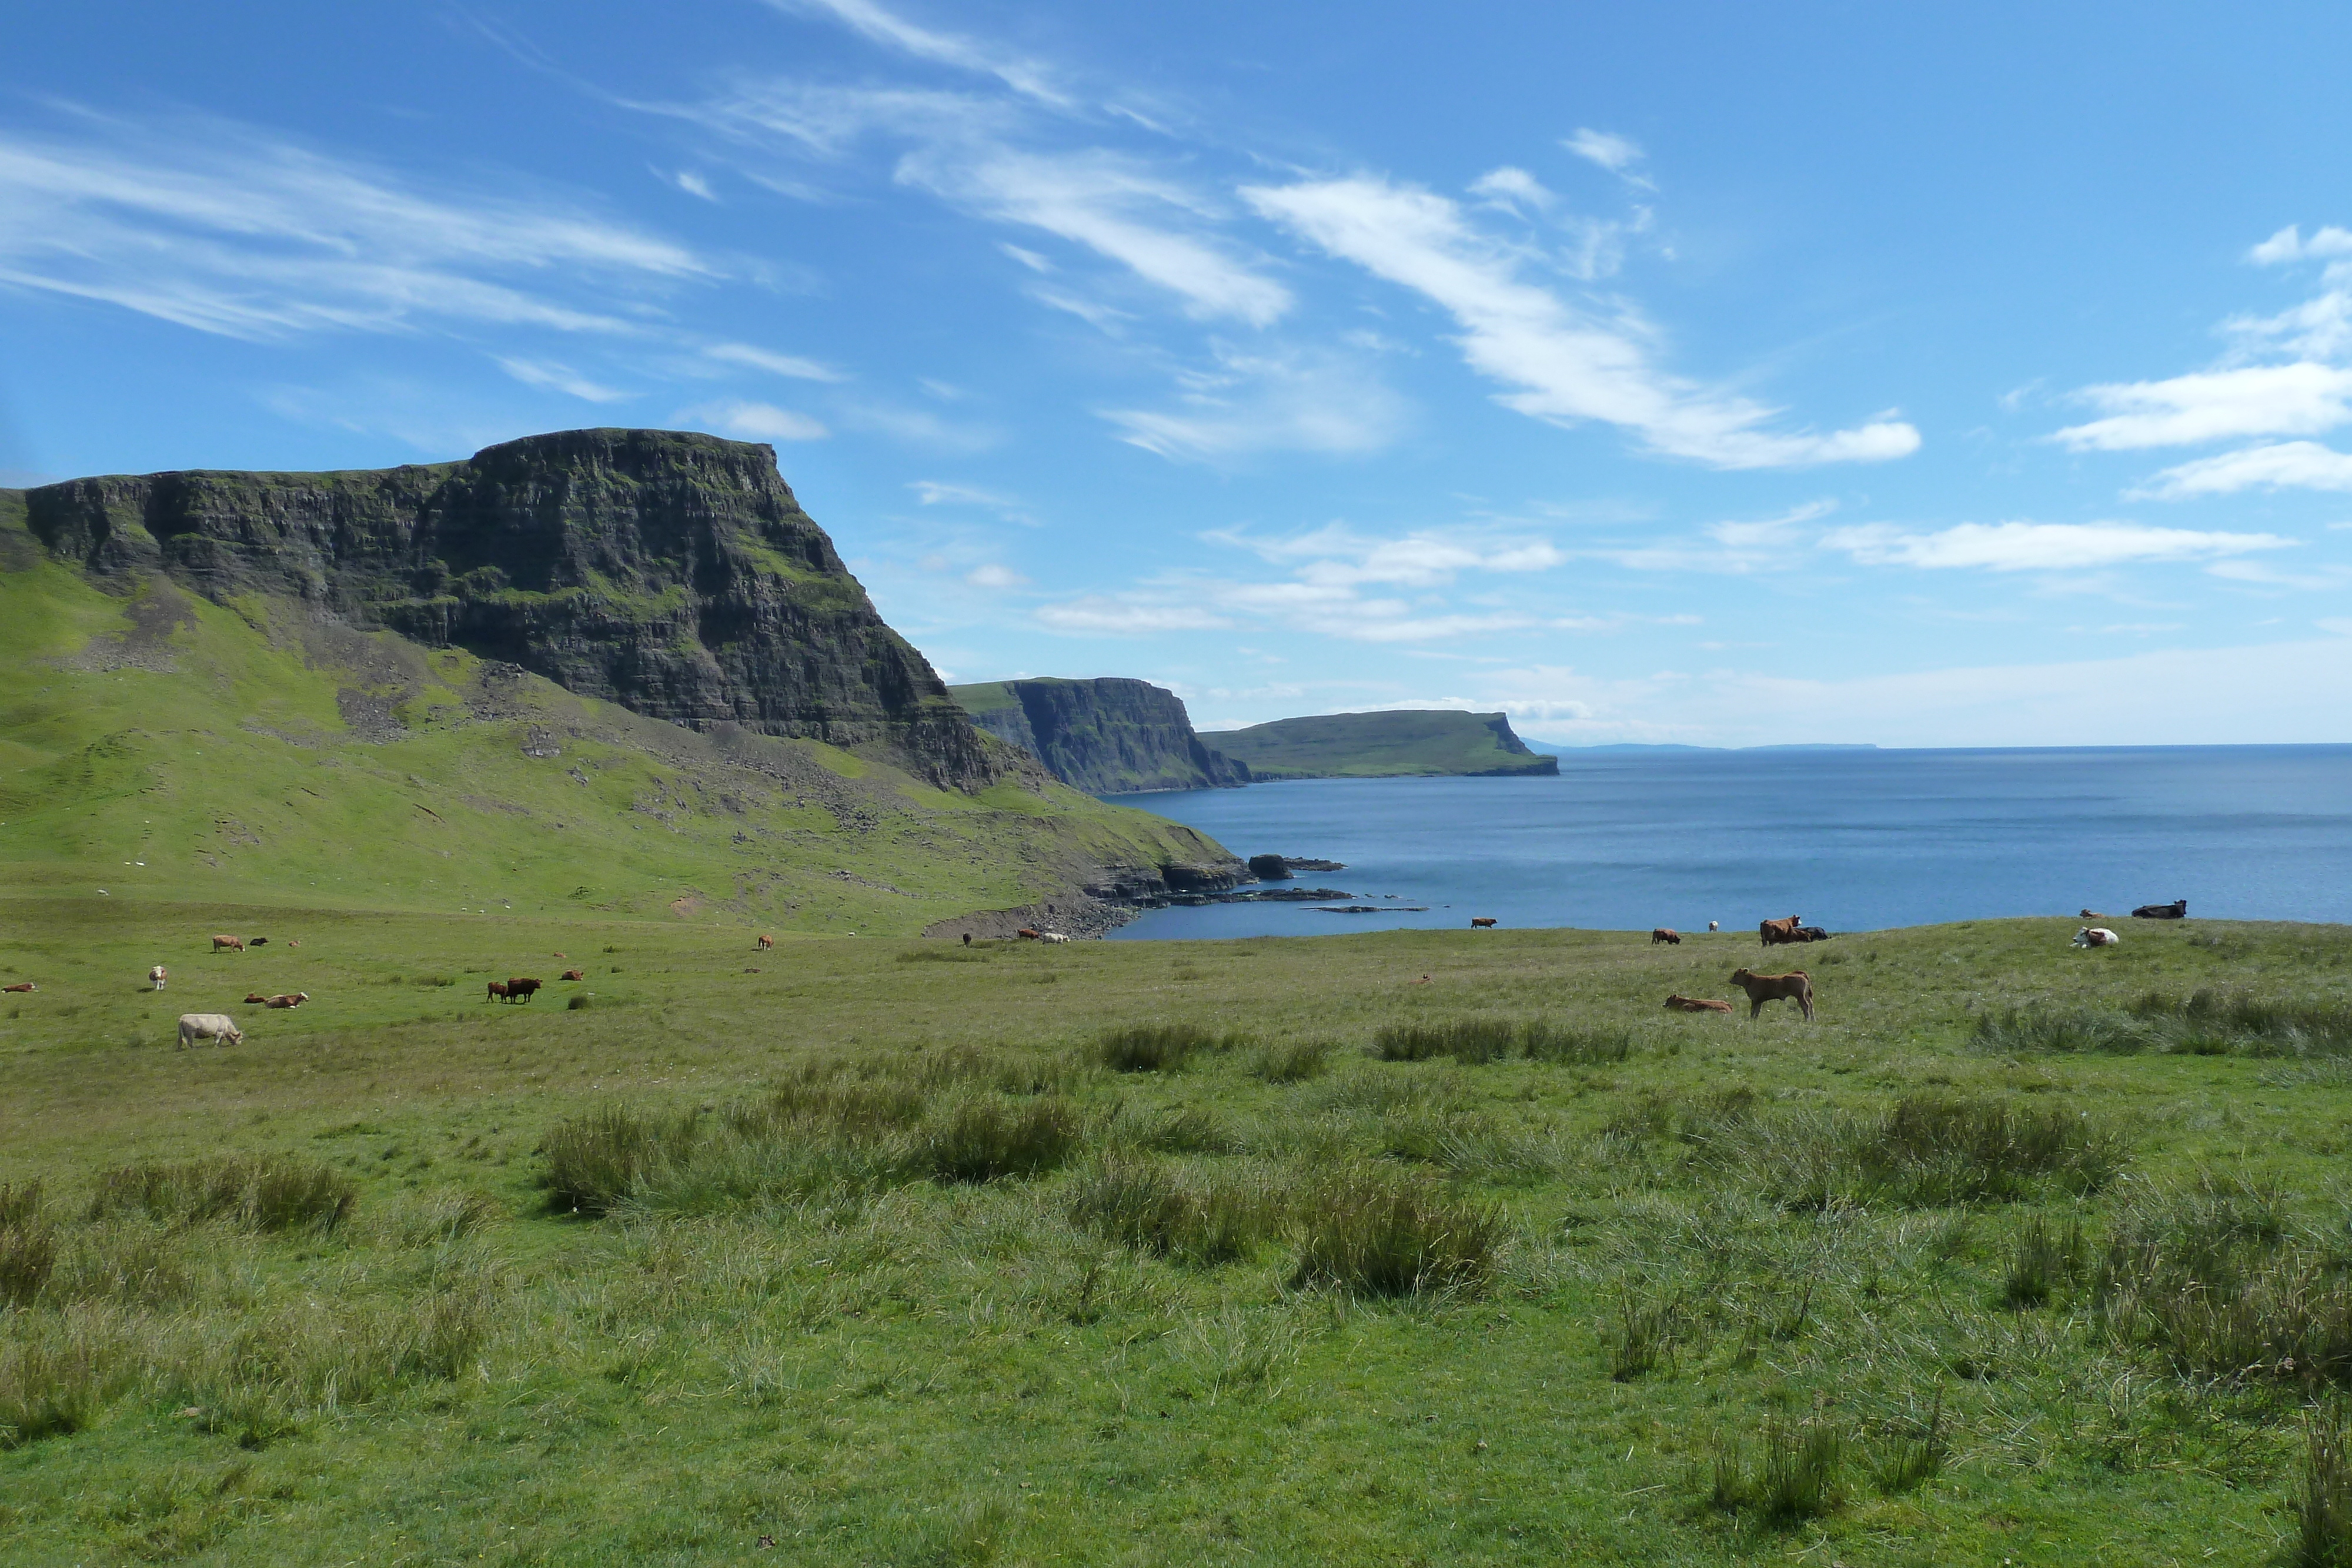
{"x":1795,"y":985}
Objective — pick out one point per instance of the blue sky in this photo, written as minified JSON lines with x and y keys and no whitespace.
{"x":1706,"y":373}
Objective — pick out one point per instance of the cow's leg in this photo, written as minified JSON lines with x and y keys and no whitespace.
{"x":1805,"y":1001}
{"x":1755,"y":1009}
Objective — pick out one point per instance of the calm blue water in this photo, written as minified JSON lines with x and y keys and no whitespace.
{"x":1851,"y":840}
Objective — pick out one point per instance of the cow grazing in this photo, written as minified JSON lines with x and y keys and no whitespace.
{"x":520,"y":990}
{"x":498,"y":990}
{"x":1772,"y":932}
{"x":2096,"y":937}
{"x":1665,"y":934}
{"x":2177,"y":910}
{"x":1795,"y":985}
{"x":1027,"y":935}
{"x":1711,"y":925}
{"x":575,"y":974}
{"x":1481,"y":921}
{"x":228,"y":944}
{"x":766,"y":942}
{"x":157,"y":976}
{"x":256,"y":941}
{"x":967,"y":939}
{"x":1696,"y":1004}
{"x":218,"y":1028}
{"x":1050,"y":936}
{"x":290,"y":999}
{"x":255,"y":998}
{"x":21,"y":986}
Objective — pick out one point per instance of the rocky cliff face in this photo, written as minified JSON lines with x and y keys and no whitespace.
{"x":1110,"y":736}
{"x":673,"y":574}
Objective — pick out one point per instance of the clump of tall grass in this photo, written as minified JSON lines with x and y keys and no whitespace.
{"x":1182,"y":1129}
{"x":2206,"y":1022}
{"x":1386,"y":1234}
{"x":257,"y":1192}
{"x":1153,"y":1208}
{"x":2322,"y":1502}
{"x":1155,"y":1047}
{"x":2212,"y":1277}
{"x":1928,"y":1150}
{"x":1478,"y":1038}
{"x":28,"y":1248}
{"x":984,"y":1138}
{"x":1290,"y":1060}
{"x":56,"y":1371}
{"x":1799,"y":1475}
{"x":597,"y":1160}
{"x":2041,"y":1262}
{"x":1701,"y":1122}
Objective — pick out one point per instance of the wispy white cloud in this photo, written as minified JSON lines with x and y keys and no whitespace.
{"x":932,"y":493}
{"x":994,"y":577}
{"x":694,"y":184}
{"x":1337,"y":555}
{"x":2300,"y":398}
{"x":223,"y":229}
{"x":1029,"y":77}
{"x":559,"y":378}
{"x":2040,"y":546}
{"x":1255,"y":402}
{"x":1572,"y":365}
{"x":753,"y":422}
{"x":1618,"y":154}
{"x":1514,"y":190}
{"x":2284,"y":465}
{"x":1102,"y":615}
{"x":792,"y":365}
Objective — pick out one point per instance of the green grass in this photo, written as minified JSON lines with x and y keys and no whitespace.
{"x":892,"y":1261}
{"x":1381,"y":745}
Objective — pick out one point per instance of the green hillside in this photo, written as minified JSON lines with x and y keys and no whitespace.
{"x":158,"y":745}
{"x":1401,"y":744}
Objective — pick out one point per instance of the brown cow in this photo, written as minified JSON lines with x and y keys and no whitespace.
{"x":1771,"y":932}
{"x":290,"y":999}
{"x":1795,"y":985}
{"x":1665,"y":934}
{"x":520,"y":990}
{"x":21,"y":986}
{"x":255,"y":998}
{"x":228,"y":944}
{"x":766,"y":942}
{"x":497,"y":988}
{"x":575,"y":974}
{"x":1696,"y":1004}
{"x":1027,"y":935}
{"x":1481,"y":921}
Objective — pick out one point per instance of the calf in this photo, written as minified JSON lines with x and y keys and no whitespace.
{"x":1811,"y":933}
{"x":1772,"y":932}
{"x":290,"y":999}
{"x":765,"y":942}
{"x":157,"y":976}
{"x":228,"y":944}
{"x":1480,"y":922}
{"x":1795,"y":985}
{"x":255,"y":998}
{"x":1027,"y":935}
{"x":1665,"y":934}
{"x":575,"y":974}
{"x":2177,"y":910}
{"x":256,"y":941}
{"x":1696,"y":1004}
{"x":21,"y":986}
{"x":218,"y":1028}
{"x":1050,"y":936}
{"x":2096,"y":937}
{"x":497,"y":989}
{"x":521,"y":991}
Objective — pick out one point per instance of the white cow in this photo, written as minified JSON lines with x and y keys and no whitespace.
{"x":2096,"y":937}
{"x":218,"y":1028}
{"x":1051,"y":936}
{"x":157,"y":976}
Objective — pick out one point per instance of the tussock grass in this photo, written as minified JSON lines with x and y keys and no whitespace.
{"x":1290,"y":1060}
{"x":1929,"y":1150}
{"x":2041,"y":1262}
{"x":56,"y":1371}
{"x":1155,"y":1047}
{"x":2207,"y":1021}
{"x":28,"y":1248}
{"x":1382,"y":1234}
{"x":2323,"y":1500}
{"x":257,"y":1192}
{"x":1477,"y":1038}
{"x":1154,"y":1207}
{"x":595,"y":1161}
{"x":985,"y":1138}
{"x":1799,"y":1473}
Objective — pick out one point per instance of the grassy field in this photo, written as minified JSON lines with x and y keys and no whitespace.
{"x":1412,"y":1246}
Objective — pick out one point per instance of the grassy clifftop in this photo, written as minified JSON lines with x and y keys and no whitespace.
{"x":161,"y":746}
{"x":1413,"y":742}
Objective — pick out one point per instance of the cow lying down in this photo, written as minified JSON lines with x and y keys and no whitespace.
{"x":2096,"y":937}
{"x":1696,"y":1004}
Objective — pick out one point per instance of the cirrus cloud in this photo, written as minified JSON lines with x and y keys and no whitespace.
{"x":2040,"y":546}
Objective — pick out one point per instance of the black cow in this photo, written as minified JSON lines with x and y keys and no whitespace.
{"x":2177,"y":910}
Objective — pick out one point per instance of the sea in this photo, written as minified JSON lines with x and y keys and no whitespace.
{"x":1850,"y":840}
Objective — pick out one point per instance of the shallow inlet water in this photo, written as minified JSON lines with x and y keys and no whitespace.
{"x":1850,"y":840}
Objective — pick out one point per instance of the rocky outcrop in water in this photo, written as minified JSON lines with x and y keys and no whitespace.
{"x":673,"y":574}
{"x":1110,"y":736}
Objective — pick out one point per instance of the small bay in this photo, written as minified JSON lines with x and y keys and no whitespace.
{"x":1851,"y":840}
